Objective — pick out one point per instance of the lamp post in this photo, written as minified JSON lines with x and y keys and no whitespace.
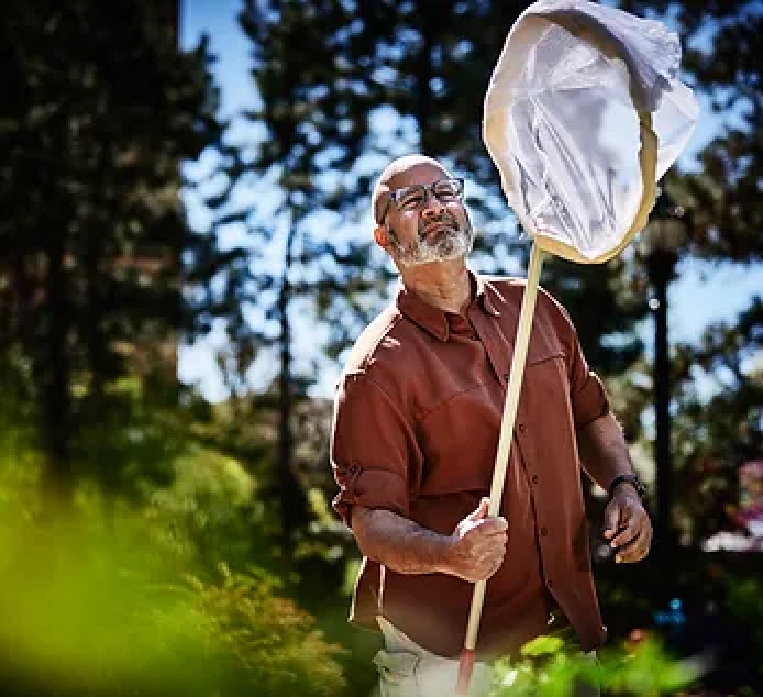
{"x":658,"y":246}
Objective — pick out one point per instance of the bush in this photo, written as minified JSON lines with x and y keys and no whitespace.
{"x":643,"y":669}
{"x":93,"y":606}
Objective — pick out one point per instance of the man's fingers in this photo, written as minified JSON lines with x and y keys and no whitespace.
{"x":633,"y":544}
{"x":635,"y":551}
{"x":495,"y":525}
{"x":627,"y":531}
{"x":490,"y":526}
{"x":612,"y":520}
{"x":488,"y":532}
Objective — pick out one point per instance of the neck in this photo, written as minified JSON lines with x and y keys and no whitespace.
{"x":444,"y":285}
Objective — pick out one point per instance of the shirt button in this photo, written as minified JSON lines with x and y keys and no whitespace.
{"x":543,"y":532}
{"x":535,"y":479}
{"x":521,"y":428}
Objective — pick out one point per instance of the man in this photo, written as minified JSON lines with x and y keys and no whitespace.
{"x":416,"y":423}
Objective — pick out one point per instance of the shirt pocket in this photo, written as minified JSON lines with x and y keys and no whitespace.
{"x":541,"y":352}
{"x":459,"y":440}
{"x":544,"y":359}
{"x":545,"y":391}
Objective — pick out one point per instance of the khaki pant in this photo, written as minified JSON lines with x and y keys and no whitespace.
{"x":408,"y":670}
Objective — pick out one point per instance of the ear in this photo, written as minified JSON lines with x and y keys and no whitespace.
{"x":381,"y":236}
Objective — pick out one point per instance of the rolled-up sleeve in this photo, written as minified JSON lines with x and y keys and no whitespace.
{"x":374,"y":455}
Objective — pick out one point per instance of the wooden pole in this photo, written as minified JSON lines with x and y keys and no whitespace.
{"x":502,"y":455}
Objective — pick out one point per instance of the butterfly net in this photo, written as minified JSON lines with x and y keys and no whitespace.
{"x":583,"y":113}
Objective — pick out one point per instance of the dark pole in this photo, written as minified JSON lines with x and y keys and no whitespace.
{"x":661,"y":269}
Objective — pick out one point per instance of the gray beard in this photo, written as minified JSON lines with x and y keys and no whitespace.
{"x":447,"y":245}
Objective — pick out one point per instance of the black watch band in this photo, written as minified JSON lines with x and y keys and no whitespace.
{"x":631,"y":479}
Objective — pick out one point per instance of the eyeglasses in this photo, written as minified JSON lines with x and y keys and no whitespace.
{"x":413,"y":198}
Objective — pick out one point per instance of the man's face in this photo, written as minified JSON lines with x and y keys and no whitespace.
{"x":426,"y":227}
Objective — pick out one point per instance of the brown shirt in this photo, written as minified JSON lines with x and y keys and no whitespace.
{"x":416,"y":423}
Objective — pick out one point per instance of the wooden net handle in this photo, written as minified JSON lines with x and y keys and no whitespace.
{"x":504,"y":443}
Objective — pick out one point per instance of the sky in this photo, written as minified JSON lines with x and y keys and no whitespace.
{"x":701,"y":294}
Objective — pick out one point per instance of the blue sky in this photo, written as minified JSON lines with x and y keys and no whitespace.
{"x":702,"y":293}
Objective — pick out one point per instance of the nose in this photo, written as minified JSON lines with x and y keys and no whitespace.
{"x":432,"y":208}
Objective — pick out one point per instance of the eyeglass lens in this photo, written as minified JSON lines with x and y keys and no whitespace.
{"x":413,"y":197}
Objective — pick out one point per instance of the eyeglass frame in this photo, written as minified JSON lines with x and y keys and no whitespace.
{"x":427,"y":189}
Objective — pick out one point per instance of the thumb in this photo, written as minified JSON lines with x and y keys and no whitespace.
{"x":611,"y":519}
{"x":481,"y":511}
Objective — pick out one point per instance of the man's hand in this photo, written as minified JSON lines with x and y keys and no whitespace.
{"x":627,"y":526}
{"x":478,"y":545}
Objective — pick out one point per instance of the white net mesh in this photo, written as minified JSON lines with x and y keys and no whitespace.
{"x":562,"y":120}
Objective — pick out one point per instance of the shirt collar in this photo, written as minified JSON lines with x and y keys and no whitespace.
{"x":434,"y":320}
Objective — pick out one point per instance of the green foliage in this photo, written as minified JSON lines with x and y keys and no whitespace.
{"x":94,"y":603}
{"x":547,"y":670}
{"x":271,"y":642}
{"x":212,"y":513}
{"x":79,"y":611}
{"x":314,"y":125}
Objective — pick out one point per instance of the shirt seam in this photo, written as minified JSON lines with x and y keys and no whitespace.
{"x":389,"y":399}
{"x":365,"y":362}
{"x":425,"y":415}
{"x":556,"y":353}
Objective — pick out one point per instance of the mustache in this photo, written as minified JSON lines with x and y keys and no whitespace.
{"x":442,"y":217}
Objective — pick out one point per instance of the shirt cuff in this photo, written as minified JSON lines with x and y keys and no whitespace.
{"x":370,"y":488}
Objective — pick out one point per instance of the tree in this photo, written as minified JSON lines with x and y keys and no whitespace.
{"x":308,"y":131}
{"x":715,"y":434}
{"x":100,"y":110}
{"x":719,"y":433}
{"x":720,"y":41}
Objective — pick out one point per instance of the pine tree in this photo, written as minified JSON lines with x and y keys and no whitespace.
{"x":714,"y":435}
{"x":314,"y":126}
{"x":101,"y":109}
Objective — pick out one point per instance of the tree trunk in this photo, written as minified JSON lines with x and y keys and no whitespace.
{"x":288,"y":483}
{"x":53,"y":371}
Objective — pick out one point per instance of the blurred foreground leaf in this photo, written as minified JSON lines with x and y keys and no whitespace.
{"x":98,"y":609}
{"x":546,"y":670}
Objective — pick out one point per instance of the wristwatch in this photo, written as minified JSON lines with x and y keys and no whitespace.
{"x":631,"y":479}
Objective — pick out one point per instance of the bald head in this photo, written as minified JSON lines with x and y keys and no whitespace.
{"x":397,"y":170}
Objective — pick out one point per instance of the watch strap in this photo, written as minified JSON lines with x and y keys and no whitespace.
{"x":631,"y":479}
